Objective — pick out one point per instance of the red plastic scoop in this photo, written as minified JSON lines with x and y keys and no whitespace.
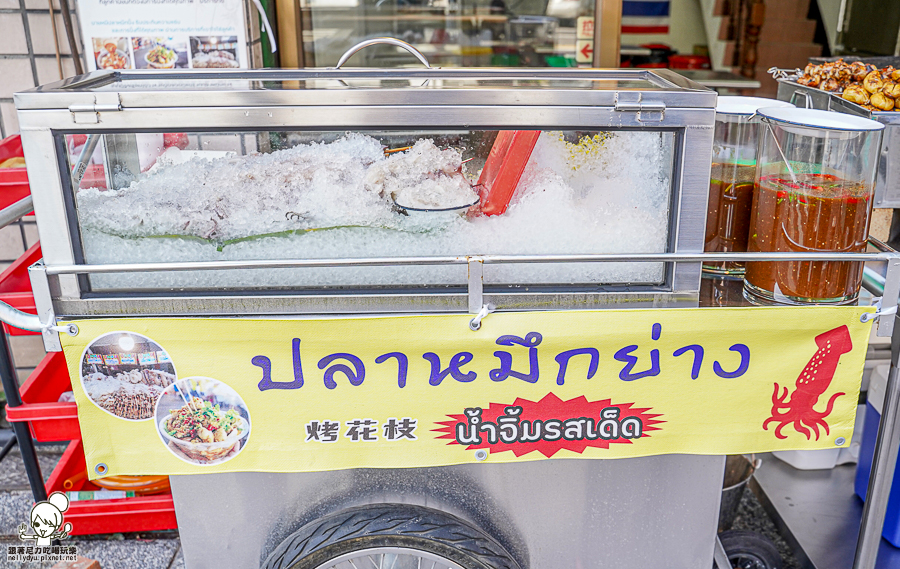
{"x":504,"y":167}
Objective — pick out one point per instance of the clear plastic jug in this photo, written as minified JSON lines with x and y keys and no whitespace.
{"x":812,"y":193}
{"x":731,"y":179}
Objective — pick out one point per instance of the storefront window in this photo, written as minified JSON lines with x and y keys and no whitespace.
{"x":450,"y":33}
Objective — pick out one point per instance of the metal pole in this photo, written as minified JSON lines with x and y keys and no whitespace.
{"x":883,"y":464}
{"x":23,"y":433}
{"x":70,"y":35}
{"x":7,"y":447}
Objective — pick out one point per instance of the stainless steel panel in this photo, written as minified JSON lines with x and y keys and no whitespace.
{"x":554,"y":514}
{"x":120,"y":154}
{"x":360,"y":117}
{"x":887,"y":184}
{"x":267,"y":306}
{"x":386,"y":87}
{"x":44,"y":178}
{"x":692,"y":174}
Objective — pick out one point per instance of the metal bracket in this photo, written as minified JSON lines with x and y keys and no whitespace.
{"x":720,"y":556}
{"x":646,"y":111}
{"x":90,"y":114}
{"x":40,"y":286}
{"x":476,"y":284}
{"x":885,"y":326}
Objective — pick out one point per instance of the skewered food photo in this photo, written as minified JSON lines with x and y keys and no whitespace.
{"x":124,"y":373}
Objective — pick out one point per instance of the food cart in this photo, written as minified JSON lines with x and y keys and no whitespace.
{"x":351,"y":211}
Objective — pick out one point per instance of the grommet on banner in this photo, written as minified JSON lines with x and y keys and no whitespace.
{"x":70,"y":329}
{"x":475,"y":323}
{"x":869,"y":316}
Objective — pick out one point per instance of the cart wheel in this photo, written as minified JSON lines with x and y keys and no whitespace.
{"x":396,"y":536}
{"x":749,"y":550}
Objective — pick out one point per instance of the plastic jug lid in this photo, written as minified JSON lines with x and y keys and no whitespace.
{"x":826,"y":120}
{"x":746,"y":106}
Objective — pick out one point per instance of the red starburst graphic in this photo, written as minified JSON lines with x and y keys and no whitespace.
{"x":579,"y":410}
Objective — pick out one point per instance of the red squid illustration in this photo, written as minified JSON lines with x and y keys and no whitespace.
{"x":812,"y":383}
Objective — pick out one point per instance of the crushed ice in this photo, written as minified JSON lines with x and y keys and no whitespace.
{"x":603,"y":194}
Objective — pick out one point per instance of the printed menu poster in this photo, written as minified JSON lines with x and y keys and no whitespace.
{"x":93,"y":359}
{"x":111,"y":359}
{"x":128,"y":359}
{"x":163,"y":34}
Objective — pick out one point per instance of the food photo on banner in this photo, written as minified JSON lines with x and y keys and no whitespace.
{"x":202,"y":420}
{"x":214,"y":52}
{"x":160,"y":52}
{"x":112,"y":53}
{"x":124,"y":374}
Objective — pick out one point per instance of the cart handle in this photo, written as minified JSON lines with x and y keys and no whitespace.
{"x":375,"y":41}
{"x":12,"y":316}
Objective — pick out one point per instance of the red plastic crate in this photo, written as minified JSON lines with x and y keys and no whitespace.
{"x":13,"y":181}
{"x":49,"y":420}
{"x":15,"y":287}
{"x":15,"y":277}
{"x":23,"y":301}
{"x":140,"y":513}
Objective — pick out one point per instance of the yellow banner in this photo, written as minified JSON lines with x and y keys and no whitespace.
{"x":194,"y":395}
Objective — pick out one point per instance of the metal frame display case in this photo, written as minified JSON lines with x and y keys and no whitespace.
{"x":116,"y":103}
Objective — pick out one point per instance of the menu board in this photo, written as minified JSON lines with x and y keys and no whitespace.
{"x":164,"y":34}
{"x":128,"y":359}
{"x":148,"y":358}
{"x":162,"y":357}
{"x":93,"y":359}
{"x":111,"y":359}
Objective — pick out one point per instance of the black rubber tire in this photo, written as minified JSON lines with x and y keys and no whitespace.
{"x":750,"y":546}
{"x":389,"y":525}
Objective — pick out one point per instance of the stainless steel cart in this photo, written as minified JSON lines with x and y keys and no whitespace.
{"x":85,"y":275}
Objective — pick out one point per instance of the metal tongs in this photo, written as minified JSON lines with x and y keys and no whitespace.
{"x":788,"y":74}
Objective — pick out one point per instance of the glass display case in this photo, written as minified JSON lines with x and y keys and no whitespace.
{"x":370,"y":190}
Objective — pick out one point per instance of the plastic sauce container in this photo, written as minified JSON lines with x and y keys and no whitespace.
{"x":731,"y":179}
{"x":812,"y":193}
